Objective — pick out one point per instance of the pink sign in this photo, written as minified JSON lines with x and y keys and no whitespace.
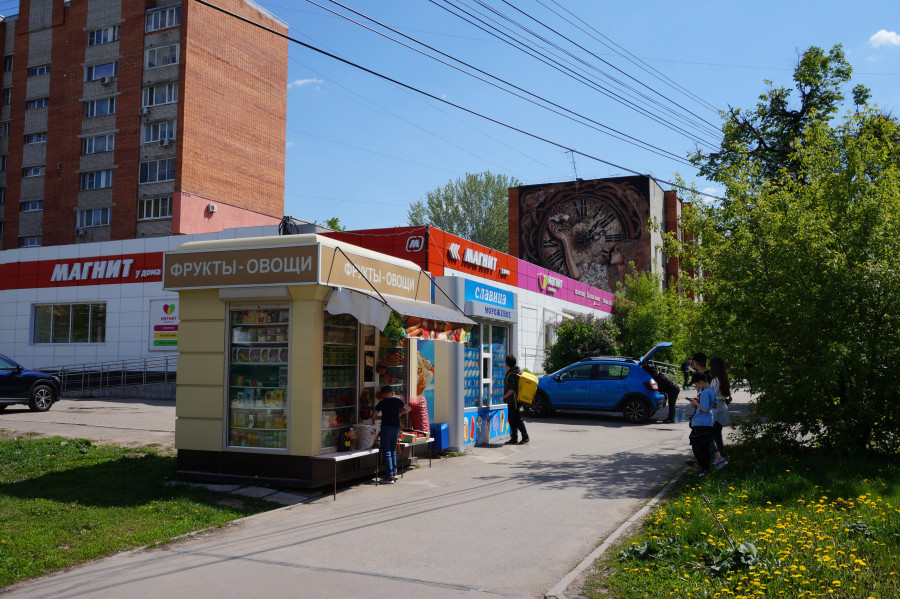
{"x":538,"y":279}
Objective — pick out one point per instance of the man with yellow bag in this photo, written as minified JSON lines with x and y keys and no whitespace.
{"x":510,"y":389}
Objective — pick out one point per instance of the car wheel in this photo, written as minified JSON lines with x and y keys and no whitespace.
{"x":636,"y":410}
{"x":540,"y":406}
{"x":42,"y":397}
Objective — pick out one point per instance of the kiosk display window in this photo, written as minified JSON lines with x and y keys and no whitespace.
{"x":499,"y":351}
{"x":258,"y":378}
{"x":339,"y":379}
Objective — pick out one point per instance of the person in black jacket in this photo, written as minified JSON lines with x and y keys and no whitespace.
{"x":510,"y":389}
{"x":667,"y":387}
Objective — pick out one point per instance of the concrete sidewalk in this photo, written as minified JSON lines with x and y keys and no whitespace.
{"x":501,"y":521}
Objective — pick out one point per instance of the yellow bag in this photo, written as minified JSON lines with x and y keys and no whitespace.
{"x":528,"y":384}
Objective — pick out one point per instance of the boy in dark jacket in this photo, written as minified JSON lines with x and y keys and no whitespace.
{"x":510,"y":389}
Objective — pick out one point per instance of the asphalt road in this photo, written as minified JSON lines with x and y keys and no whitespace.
{"x":501,"y":521}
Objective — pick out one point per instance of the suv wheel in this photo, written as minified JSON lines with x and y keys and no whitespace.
{"x":42,"y":397}
{"x":636,"y":410}
{"x":540,"y":406}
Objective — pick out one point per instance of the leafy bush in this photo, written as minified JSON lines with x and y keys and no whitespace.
{"x":581,"y":337}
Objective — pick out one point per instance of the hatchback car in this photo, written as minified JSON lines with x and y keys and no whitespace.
{"x":38,"y":390}
{"x":602,"y":383}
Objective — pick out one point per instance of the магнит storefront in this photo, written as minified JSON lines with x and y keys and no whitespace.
{"x":284,"y":344}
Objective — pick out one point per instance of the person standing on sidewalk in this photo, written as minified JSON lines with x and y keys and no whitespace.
{"x":719,"y":383}
{"x":510,"y":390}
{"x":667,"y":387}
{"x":390,"y":408}
{"x":702,"y":432}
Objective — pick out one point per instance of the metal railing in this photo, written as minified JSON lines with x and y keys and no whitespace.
{"x":116,"y":373}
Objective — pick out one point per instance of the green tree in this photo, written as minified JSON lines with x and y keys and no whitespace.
{"x":581,"y":337}
{"x":474,"y":207}
{"x":801,"y":276}
{"x":645,"y":315}
{"x":334,"y":223}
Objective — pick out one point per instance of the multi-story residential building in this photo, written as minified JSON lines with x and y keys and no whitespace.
{"x":123,"y":119}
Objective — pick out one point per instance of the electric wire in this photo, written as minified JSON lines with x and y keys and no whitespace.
{"x":459,"y":107}
{"x":557,"y":65}
{"x":621,"y":136}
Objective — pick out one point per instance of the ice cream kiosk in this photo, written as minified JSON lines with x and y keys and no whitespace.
{"x":284,"y":345}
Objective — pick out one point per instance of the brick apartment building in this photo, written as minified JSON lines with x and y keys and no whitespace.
{"x":123,"y":119}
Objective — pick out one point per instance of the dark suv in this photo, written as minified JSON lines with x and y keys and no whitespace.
{"x":602,"y":383}
{"x":17,"y":385}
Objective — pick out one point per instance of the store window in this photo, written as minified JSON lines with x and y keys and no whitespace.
{"x":69,"y":323}
{"x":339,"y":379}
{"x":161,"y":56}
{"x":485,"y":366}
{"x":161,"y":19}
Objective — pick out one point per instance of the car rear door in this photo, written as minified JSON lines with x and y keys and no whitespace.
{"x":571,"y":388}
{"x":609,"y":385}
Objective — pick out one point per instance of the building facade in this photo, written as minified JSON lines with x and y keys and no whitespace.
{"x":123,"y":119}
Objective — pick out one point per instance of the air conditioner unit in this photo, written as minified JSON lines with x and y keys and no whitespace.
{"x":105,"y":80}
{"x":144,"y":110}
{"x":165,"y":142}
{"x":212,"y":208}
{"x":79,"y":231}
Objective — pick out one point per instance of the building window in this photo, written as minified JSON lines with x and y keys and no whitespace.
{"x":38,"y":103}
{"x":161,"y":19}
{"x":7,"y":64}
{"x":96,"y":71}
{"x":103,"y":36}
{"x":69,"y":323}
{"x":161,"y":57}
{"x":96,"y":217}
{"x":30,"y":242}
{"x":160,"y":94}
{"x":96,"y":180}
{"x":2,"y":195}
{"x":4,"y":129}
{"x":41,"y":70}
{"x":4,"y":159}
{"x":32,"y":206}
{"x":101,"y":143}
{"x":157,"y":170}
{"x":99,"y":107}
{"x":154,"y":132}
{"x":36,"y":138}
{"x":155,"y":208}
{"x":32,"y":171}
{"x":7,"y":96}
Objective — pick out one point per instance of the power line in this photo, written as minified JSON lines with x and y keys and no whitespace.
{"x":457,"y":106}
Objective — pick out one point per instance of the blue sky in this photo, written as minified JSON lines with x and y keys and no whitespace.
{"x":362,"y":148}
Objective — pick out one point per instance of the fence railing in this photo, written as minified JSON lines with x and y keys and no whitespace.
{"x":116,"y":373}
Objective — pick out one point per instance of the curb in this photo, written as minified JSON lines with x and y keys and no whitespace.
{"x":558,"y":590}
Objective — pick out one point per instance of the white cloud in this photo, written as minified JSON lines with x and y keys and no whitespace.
{"x":291,"y":144}
{"x":302,"y":82}
{"x":885,"y":38}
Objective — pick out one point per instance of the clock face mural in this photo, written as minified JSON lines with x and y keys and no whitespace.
{"x":587,"y":230}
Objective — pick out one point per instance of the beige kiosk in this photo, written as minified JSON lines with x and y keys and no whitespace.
{"x":283,"y":345}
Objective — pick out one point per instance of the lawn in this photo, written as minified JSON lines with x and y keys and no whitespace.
{"x":63,"y":502}
{"x":767,"y":525}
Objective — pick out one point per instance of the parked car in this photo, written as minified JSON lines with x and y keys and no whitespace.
{"x":38,"y":390}
{"x":604,"y":384}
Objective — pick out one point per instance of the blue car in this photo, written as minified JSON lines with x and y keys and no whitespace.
{"x":18,"y":385}
{"x":603,"y":384}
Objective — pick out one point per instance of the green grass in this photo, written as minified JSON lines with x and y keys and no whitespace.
{"x":767,"y":526}
{"x":63,"y":502}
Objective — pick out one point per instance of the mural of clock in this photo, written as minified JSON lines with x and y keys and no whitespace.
{"x":580,"y":236}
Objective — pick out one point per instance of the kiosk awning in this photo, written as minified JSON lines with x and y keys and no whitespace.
{"x":369,"y":309}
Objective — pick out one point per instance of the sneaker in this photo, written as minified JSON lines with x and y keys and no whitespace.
{"x":719,"y":464}
{"x":395,"y":478}
{"x":512,"y":442}
{"x":388,"y":481}
{"x":524,"y":441}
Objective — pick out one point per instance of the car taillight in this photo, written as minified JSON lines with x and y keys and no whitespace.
{"x":651,"y":385}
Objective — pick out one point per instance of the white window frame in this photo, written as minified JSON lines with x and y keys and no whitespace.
{"x":32,"y":171}
{"x":96,"y":180}
{"x":163,"y":18}
{"x":153,"y":132}
{"x":168,"y":91}
{"x":90,"y":107}
{"x":98,"y":71}
{"x":35,"y":138}
{"x":31,"y":206}
{"x":149,"y":171}
{"x":106,"y":35}
{"x":30,"y":242}
{"x":94,"y":217}
{"x":37,"y":103}
{"x":155,"y":208}
{"x":161,"y":56}
{"x":44,"y":69}
{"x":91,"y":145}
